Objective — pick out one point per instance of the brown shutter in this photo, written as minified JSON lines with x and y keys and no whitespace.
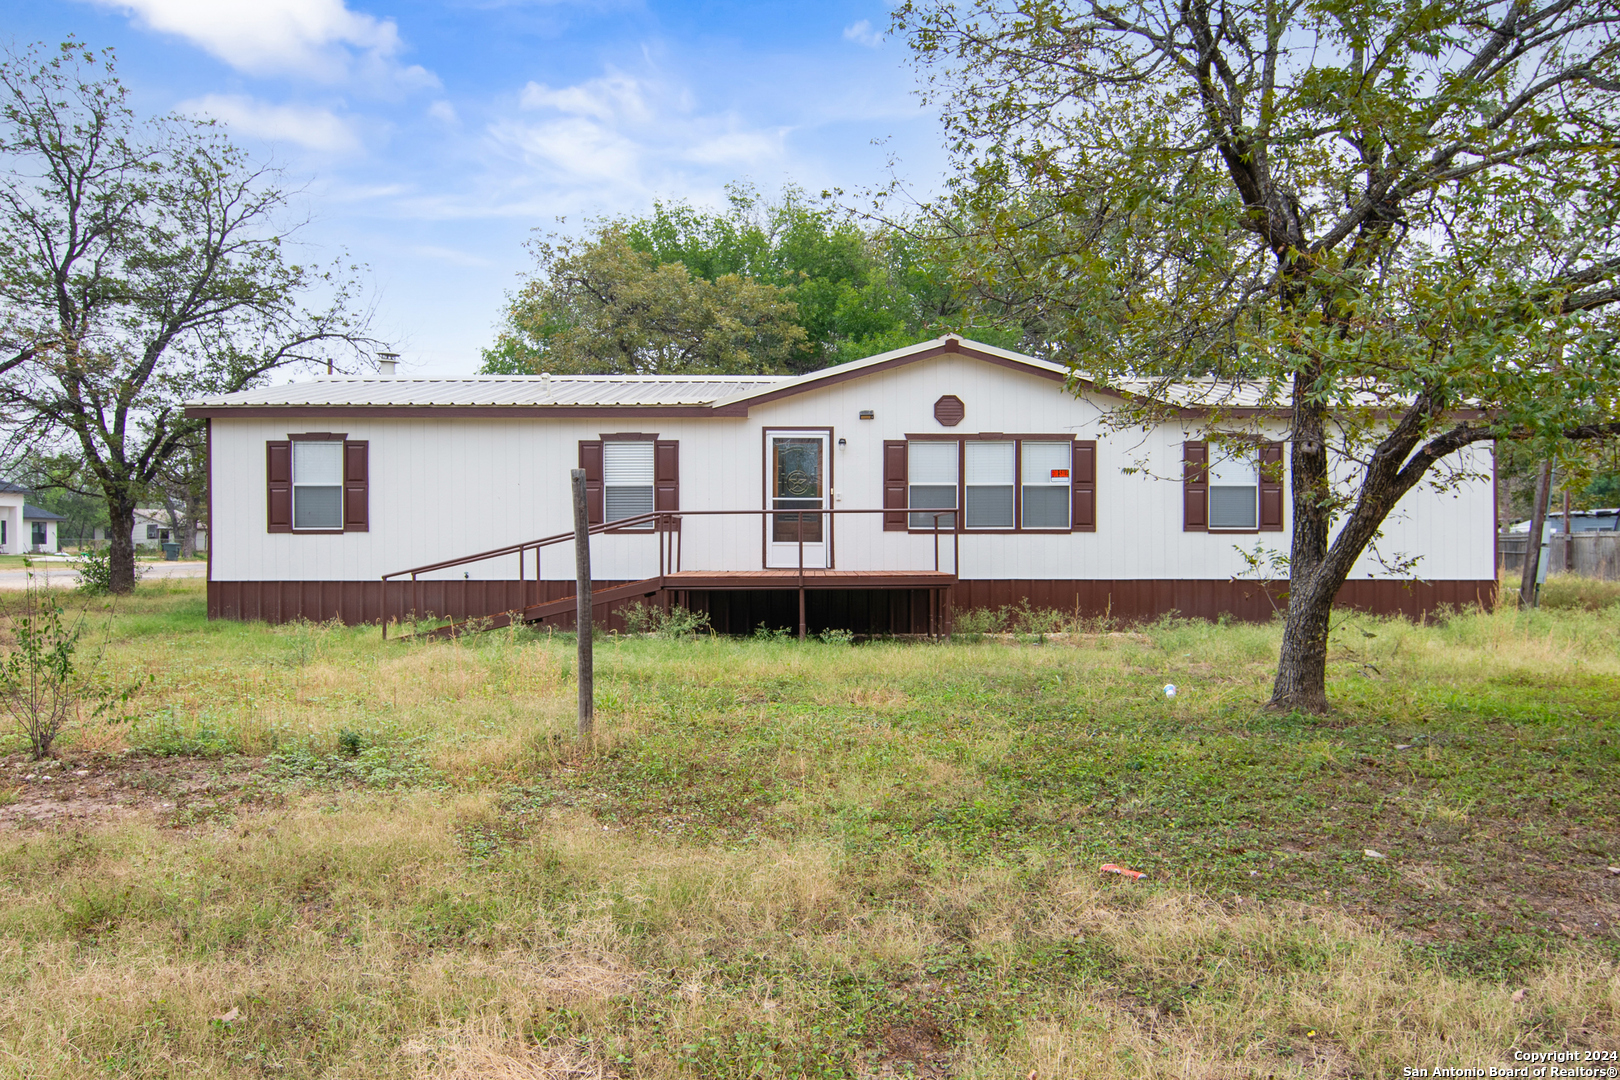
{"x":1271,"y":487}
{"x":590,"y":459}
{"x":667,"y":479}
{"x":894,"y":486}
{"x":1083,"y":479}
{"x":356,"y":487}
{"x":278,"y":482}
{"x":1195,"y":486}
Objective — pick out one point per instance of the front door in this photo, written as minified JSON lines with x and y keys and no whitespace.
{"x":796,"y":479}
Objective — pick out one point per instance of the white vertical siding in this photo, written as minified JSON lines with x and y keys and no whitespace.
{"x":443,"y":488}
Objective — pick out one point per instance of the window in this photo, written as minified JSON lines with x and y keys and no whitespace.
{"x":630,"y":474}
{"x":1045,"y":478}
{"x":151,"y":532}
{"x":317,"y":485}
{"x":627,"y":479}
{"x":1234,"y":484}
{"x":1016,"y":484}
{"x":988,"y":494}
{"x":39,"y":534}
{"x":931,"y":471}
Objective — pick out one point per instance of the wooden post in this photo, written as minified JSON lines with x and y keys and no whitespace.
{"x":582,"y":616}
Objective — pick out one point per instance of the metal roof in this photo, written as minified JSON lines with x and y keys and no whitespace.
{"x":535,"y":390}
{"x":717,"y":391}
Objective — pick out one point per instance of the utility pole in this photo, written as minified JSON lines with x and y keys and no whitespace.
{"x":582,"y":616}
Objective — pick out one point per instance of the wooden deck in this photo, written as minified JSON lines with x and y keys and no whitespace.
{"x":696,"y":580}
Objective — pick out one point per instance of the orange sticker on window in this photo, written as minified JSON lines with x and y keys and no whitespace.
{"x":1060,"y":476}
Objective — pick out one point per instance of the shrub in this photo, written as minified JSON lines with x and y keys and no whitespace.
{"x":677,"y":622}
{"x":976,"y":622}
{"x":43,"y":689}
{"x":94,"y":567}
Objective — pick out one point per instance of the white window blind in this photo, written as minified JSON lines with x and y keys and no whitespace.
{"x":989,"y":484}
{"x":1044,"y":473}
{"x":317,"y":485}
{"x":931,"y":475}
{"x":627,"y":479}
{"x":990,"y":463}
{"x":1234,"y":482}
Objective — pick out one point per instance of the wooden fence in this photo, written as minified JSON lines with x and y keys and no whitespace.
{"x":1591,"y":554}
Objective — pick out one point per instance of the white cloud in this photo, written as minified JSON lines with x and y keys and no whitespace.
{"x":862,"y":34}
{"x":574,"y":148}
{"x":318,"y":39}
{"x":619,"y":138}
{"x":612,"y":97}
{"x":444,"y":112}
{"x":317,"y":129}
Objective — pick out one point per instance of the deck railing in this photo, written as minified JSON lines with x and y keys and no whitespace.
{"x":662,"y":525}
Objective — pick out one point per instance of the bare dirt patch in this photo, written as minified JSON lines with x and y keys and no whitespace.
{"x":106,"y":788}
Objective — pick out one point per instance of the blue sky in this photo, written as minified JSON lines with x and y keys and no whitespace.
{"x":428,"y":139}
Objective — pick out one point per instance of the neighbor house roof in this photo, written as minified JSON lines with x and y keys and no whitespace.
{"x":34,"y":513}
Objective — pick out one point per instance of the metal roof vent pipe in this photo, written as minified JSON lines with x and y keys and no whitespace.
{"x":386,"y":362}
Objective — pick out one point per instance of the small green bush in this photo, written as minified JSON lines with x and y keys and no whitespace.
{"x":677,"y":622}
{"x":94,"y":567}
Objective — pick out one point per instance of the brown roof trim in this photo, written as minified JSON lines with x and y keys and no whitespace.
{"x":487,"y":412}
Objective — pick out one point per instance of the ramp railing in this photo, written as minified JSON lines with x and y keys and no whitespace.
{"x":664,"y":526}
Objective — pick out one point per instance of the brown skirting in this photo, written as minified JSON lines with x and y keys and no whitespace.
{"x":862,"y":610}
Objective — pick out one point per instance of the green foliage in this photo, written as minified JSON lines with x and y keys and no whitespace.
{"x":43,"y":688}
{"x":94,"y":567}
{"x":141,"y":264}
{"x":758,"y":288}
{"x":1403,"y":238}
{"x":374,"y":759}
{"x":166,"y":733}
{"x":677,"y":622}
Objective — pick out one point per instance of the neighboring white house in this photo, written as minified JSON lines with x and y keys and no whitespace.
{"x":320,"y":488}
{"x":152,"y":529}
{"x":24,"y":528}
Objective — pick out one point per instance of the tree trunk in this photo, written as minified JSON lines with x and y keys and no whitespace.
{"x":121,"y":546}
{"x":1302,"y":666}
{"x":1532,"y":540}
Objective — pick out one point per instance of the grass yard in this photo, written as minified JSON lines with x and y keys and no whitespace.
{"x":310,"y":853}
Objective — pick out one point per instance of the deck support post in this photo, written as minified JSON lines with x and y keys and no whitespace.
{"x":801,"y":576}
{"x":582,"y":616}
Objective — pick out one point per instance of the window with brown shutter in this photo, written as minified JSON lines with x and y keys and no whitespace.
{"x":590,"y":459}
{"x":894,"y":486}
{"x":1084,"y":482}
{"x":1195,"y":486}
{"x":667,"y":480}
{"x":356,"y":486}
{"x":1271,"y":487}
{"x":278,"y":483}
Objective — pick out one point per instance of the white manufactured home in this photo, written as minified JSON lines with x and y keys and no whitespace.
{"x":878,"y":496}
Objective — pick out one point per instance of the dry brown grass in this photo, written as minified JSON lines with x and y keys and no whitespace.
{"x":784,"y":862}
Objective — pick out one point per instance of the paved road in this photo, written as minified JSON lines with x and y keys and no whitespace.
{"x":50,"y":571}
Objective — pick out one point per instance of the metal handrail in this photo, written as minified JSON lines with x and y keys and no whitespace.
{"x":670,"y":546}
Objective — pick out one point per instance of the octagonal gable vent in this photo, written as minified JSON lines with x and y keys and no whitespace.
{"x":949,"y":410}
